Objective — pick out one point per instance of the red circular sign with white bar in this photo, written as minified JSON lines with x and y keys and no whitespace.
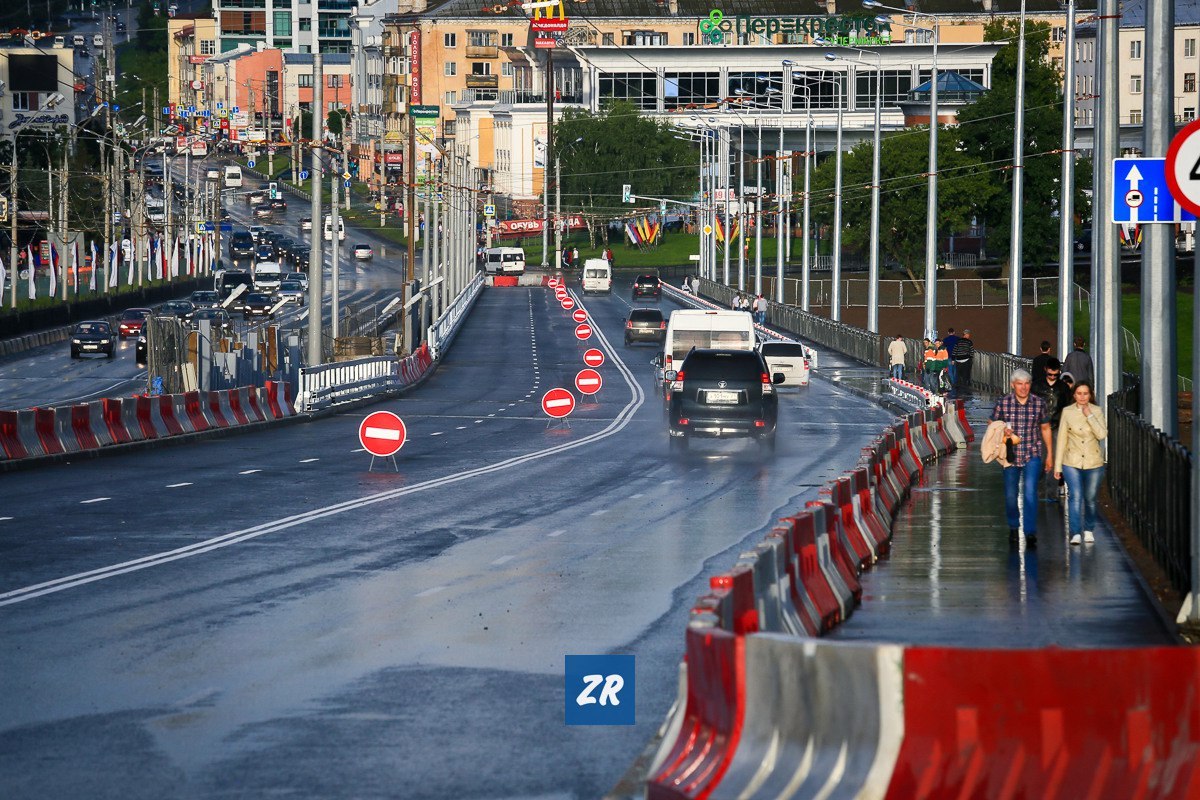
{"x":593,"y":358}
{"x":583,"y":331}
{"x":567,"y":304}
{"x":580,"y":315}
{"x":588,"y":381}
{"x":552,"y":283}
{"x":382,"y":434}
{"x":1183,"y":167}
{"x":558,"y":403}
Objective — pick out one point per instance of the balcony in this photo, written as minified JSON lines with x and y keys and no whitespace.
{"x":483,"y":81}
{"x":515,"y":97}
{"x":483,"y":51}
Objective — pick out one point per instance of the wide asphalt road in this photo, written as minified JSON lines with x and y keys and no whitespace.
{"x":260,"y":614}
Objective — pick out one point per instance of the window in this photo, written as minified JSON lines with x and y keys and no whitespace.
{"x":25,"y":101}
{"x":1135,"y":48}
{"x":451,"y":98}
{"x":607,"y":39}
{"x":897,"y":83}
{"x":281,"y":22}
{"x":757,"y":89}
{"x":506,"y":40}
{"x":1135,"y":84}
{"x":335,"y":26}
{"x":305,"y":81}
{"x":691,"y":88}
{"x":821,"y":87}
{"x":506,"y":69}
{"x":1189,"y":82}
{"x":334,"y":81}
{"x":450,"y":40}
{"x":306,"y":23}
{"x":639,"y":88}
{"x":208,"y":47}
{"x":481,"y":68}
{"x":481,"y":38}
{"x":689,"y":38}
{"x":1189,"y":113}
{"x":450,"y":69}
{"x":448,"y":127}
{"x":1135,"y":117}
{"x":1058,"y":34}
{"x":643,"y":38}
{"x":1189,"y":48}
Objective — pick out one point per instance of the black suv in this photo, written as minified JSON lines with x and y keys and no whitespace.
{"x":645,"y":325}
{"x":722,"y":393}
{"x":646,"y":286}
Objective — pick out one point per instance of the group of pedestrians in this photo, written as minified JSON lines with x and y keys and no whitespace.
{"x":1049,"y":423}
{"x":757,"y":307}
{"x":943,"y":365}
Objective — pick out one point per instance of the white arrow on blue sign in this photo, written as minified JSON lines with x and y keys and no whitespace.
{"x":250,"y":163}
{"x":166,"y":111}
{"x":303,"y":174}
{"x":346,"y":184}
{"x":1140,"y":193}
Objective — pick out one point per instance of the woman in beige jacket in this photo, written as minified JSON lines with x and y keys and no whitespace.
{"x":1079,"y":459}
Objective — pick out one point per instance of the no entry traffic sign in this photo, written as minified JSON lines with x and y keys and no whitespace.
{"x":588,"y":381}
{"x":593,"y":357}
{"x":1183,"y":167}
{"x":567,"y":304}
{"x":580,"y":315}
{"x":558,"y":403}
{"x":552,"y":283}
{"x":583,"y":331}
{"x":560,"y":293}
{"x":382,"y":434}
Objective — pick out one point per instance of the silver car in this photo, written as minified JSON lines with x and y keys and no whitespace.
{"x":291,"y":292}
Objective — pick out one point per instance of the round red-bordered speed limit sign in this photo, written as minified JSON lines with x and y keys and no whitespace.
{"x":1183,"y":167}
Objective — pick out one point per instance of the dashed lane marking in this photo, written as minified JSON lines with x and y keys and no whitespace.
{"x":429,"y":591}
{"x":94,"y":500}
{"x":437,"y":433}
{"x":556,"y":533}
{"x":5,"y":519}
{"x":249,"y":471}
{"x":178,"y":485}
{"x":308,"y":460}
{"x":502,"y":560}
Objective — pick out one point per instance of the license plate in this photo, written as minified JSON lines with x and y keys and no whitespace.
{"x":716,"y":398}
{"x":90,"y":347}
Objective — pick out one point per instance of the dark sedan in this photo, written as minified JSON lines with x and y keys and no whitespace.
{"x":257,"y":305}
{"x":278,"y":204}
{"x":93,"y":336}
{"x":218,"y":318}
{"x":180,"y":309}
{"x":205,"y":298}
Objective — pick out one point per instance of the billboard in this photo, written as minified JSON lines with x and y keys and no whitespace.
{"x":32,"y":73}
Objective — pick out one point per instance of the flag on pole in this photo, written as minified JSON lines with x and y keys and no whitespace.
{"x":130,"y":258}
{"x":174,"y":259}
{"x":3,"y":277}
{"x":53,"y":271}
{"x":114,"y":270}
{"x":95,"y":268}
{"x":31,"y":273}
{"x":75,"y":267}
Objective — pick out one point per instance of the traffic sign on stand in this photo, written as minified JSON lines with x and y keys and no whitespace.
{"x":579,"y":315}
{"x":552,"y":283}
{"x":588,"y":381}
{"x":382,"y":434}
{"x":593,"y":357}
{"x":583,"y":331}
{"x":1182,"y":167}
{"x":1141,"y":193}
{"x":346,"y":183}
{"x":567,"y":304}
{"x":558,"y":403}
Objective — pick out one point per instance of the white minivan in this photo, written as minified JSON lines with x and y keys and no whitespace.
{"x":329,"y":228}
{"x":504,"y":261}
{"x":267,"y":276}
{"x":597,"y":276}
{"x":233,"y":177}
{"x":717,"y":329}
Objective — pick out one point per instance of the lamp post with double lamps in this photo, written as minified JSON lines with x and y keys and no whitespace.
{"x":873,"y":269}
{"x":931,"y":200}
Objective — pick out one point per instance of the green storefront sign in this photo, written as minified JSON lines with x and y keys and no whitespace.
{"x":837,"y":29}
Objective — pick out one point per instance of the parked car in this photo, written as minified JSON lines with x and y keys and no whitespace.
{"x":93,"y":336}
{"x":363,"y":252}
{"x":645,"y":325}
{"x":291,"y":292}
{"x":180,"y":309}
{"x":257,"y":304}
{"x":132,"y":321}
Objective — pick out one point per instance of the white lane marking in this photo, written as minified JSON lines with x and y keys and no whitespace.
{"x":308,"y":460}
{"x":491,"y":415}
{"x":598,"y":513}
{"x":615,"y":426}
{"x":556,"y":533}
{"x":359,"y":450}
{"x":391,"y":434}
{"x":94,"y":500}
{"x":502,"y":560}
{"x":636,"y":496}
{"x":461,"y":428}
{"x":437,"y":433}
{"x":5,"y":519}
{"x":478,"y":421}
{"x":178,"y":485}
{"x":429,"y":591}
{"x":249,"y":471}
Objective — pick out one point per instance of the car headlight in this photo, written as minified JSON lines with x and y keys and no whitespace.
{"x":104,"y":341}
{"x":76,"y":341}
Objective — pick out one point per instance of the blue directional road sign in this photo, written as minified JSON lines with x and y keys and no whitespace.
{"x":226,"y":227}
{"x":346,"y":184}
{"x":303,"y":174}
{"x":1140,"y":193}
{"x":250,"y":163}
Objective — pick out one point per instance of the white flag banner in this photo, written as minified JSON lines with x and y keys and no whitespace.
{"x":130,"y":258}
{"x":187,"y":256}
{"x":31,"y":272}
{"x":75,"y":267}
{"x":3,"y":278}
{"x":114,"y":268}
{"x":95,"y":268}
{"x":53,"y":271}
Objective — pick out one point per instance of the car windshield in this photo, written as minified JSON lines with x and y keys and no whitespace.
{"x":205,"y":297}
{"x":134,"y":313}
{"x":646,"y":315}
{"x":92,"y":327}
{"x":293,"y":286}
{"x":738,"y":366}
{"x":177,"y":305}
{"x":258,"y":298}
{"x":784,"y":349}
{"x":295,"y":276}
{"x":644,"y":280}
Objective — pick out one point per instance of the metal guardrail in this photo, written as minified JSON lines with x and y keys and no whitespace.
{"x":326,"y":384}
{"x":1149,"y":477}
{"x":992,"y":372}
{"x":444,"y":329}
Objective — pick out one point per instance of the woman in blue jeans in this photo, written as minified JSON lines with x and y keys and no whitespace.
{"x":1079,"y":459}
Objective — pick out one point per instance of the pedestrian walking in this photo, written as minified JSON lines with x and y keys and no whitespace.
{"x":1053,"y":391}
{"x":1038,"y":367}
{"x":1079,"y":363}
{"x":1027,"y":429}
{"x":897,"y":350}
{"x":760,"y":309}
{"x":1080,"y":461}
{"x":566,"y":259}
{"x":949,"y":342}
{"x":737,"y":302}
{"x":575,"y":256}
{"x":608,"y":256}
{"x":935,"y":361}
{"x":963,"y":358}
{"x":927,"y":352}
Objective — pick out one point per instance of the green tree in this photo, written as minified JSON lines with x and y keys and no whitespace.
{"x":986,"y":129}
{"x":963,"y":189}
{"x":600,"y":152}
{"x":335,"y":122}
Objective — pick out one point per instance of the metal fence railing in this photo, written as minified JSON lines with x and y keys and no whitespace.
{"x":1149,"y":478}
{"x":962,"y":292}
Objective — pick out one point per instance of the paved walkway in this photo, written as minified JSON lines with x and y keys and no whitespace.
{"x":953,"y":579}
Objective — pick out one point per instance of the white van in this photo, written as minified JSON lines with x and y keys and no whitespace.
{"x":329,"y":228}
{"x":267,"y":276}
{"x":504,"y":261}
{"x":78,"y":41}
{"x":721,"y":329}
{"x":597,"y":276}
{"x":60,"y":42}
{"x":233,"y":177}
{"x":97,"y":40}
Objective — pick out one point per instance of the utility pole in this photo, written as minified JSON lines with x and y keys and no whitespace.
{"x":549,"y":156}
{"x":64,"y":209}
{"x":12,"y":225}
{"x":1106,"y":270}
{"x":315,"y":294}
{"x":1016,"y":264}
{"x":335,"y":251}
{"x":557,"y":210}
{"x":1066,"y":200}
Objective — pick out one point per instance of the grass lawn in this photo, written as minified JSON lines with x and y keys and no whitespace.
{"x":1131,"y":320}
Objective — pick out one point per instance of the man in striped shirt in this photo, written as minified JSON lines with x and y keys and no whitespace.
{"x":1028,"y":424}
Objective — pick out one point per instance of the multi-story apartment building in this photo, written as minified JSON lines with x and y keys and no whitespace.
{"x":191,"y":40}
{"x":30,"y":79}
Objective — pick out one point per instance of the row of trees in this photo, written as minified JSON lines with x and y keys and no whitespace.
{"x":600,"y":152}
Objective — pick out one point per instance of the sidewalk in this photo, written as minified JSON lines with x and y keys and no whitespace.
{"x":953,"y":579}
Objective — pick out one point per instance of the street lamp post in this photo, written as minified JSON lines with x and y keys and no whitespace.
{"x":1018,"y":200}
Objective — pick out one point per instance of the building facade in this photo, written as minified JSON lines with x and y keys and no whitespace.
{"x":191,"y":40}
{"x":33,"y":79}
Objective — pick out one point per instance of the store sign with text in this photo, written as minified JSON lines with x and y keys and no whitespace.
{"x":528,"y":227}
{"x":836,"y":29}
{"x":414,"y":60}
